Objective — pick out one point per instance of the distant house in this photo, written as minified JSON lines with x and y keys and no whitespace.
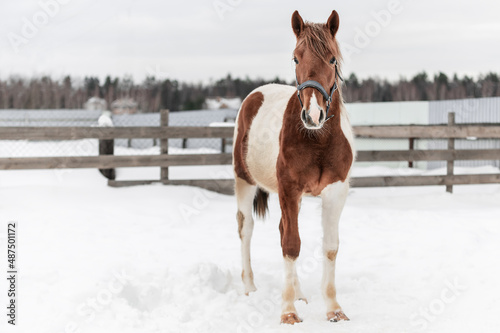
{"x":217,"y":103}
{"x":124,"y":106}
{"x":95,"y":103}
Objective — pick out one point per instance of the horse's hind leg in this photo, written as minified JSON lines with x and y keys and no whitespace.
{"x":333,"y":200}
{"x":245,"y":194}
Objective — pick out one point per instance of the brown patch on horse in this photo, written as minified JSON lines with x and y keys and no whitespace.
{"x":309,"y":161}
{"x":330,"y":291}
{"x":241,"y":220}
{"x":248,"y":110}
{"x":331,"y":255}
{"x":290,"y":239}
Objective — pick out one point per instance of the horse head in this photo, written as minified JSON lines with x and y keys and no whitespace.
{"x":316,"y":58}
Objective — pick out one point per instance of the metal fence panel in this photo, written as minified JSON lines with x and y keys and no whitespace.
{"x":467,"y":111}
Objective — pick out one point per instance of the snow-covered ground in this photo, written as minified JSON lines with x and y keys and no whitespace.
{"x":167,"y":259}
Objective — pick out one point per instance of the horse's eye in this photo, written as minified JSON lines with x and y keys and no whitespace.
{"x":333,"y":61}
{"x":295,"y":60}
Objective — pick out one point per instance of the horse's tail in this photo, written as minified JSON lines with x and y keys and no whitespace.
{"x":260,"y":203}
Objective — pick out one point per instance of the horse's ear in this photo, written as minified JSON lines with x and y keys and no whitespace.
{"x":297,"y":24}
{"x":333,"y":23}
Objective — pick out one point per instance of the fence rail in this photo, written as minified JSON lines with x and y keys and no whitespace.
{"x":428,"y":155}
{"x":448,"y":180}
{"x":486,"y":131}
{"x":180,"y":132}
{"x":106,"y":133}
{"x":112,"y":161}
{"x":165,"y":160}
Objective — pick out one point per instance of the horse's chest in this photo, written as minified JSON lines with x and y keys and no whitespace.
{"x":323,"y":177}
{"x":313,"y":168}
{"x":325,"y":172}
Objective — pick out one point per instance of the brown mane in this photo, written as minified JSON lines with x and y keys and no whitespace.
{"x":317,"y":38}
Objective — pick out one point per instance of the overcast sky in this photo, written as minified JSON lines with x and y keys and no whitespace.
{"x":198,"y":40}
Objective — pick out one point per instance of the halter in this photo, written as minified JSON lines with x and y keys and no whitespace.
{"x":316,"y":85}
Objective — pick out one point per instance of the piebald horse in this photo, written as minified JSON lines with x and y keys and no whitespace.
{"x":296,"y":141}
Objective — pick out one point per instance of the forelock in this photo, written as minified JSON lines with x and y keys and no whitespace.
{"x":318,"y":39}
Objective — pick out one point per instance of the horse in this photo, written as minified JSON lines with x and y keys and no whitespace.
{"x":296,"y":141}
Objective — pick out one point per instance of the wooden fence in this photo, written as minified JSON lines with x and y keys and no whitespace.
{"x":165,"y":160}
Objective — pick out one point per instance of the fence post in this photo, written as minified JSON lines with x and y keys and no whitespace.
{"x":164,"y":145}
{"x":451,"y":146}
{"x":223,"y":145}
{"x":411,"y":147}
{"x":107,"y":147}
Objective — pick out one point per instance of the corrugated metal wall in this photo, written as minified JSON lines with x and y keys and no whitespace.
{"x":388,"y":113}
{"x":467,"y":111}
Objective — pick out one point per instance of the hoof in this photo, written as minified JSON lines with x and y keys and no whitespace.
{"x":336,"y":316}
{"x":290,"y":318}
{"x":250,"y":289}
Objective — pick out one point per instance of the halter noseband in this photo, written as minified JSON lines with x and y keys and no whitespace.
{"x":316,"y":85}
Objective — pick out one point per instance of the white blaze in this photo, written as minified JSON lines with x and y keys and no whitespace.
{"x":314,"y":109}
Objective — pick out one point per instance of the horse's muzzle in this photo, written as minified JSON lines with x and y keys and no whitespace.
{"x":309,"y":122}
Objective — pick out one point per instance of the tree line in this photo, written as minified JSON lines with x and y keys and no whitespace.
{"x":421,"y":88}
{"x":153,"y":94}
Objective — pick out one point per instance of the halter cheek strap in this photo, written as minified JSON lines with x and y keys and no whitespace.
{"x":316,"y":85}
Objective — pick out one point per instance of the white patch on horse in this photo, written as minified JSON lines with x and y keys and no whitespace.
{"x":292,"y":288}
{"x":314,"y":111}
{"x":345,"y":126}
{"x":244,"y":195}
{"x":333,"y":199}
{"x":263,"y":135}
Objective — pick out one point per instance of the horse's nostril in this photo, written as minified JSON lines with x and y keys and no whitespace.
{"x":321,"y":116}
{"x":303,"y":116}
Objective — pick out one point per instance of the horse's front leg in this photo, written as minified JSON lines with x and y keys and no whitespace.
{"x":290,"y":245}
{"x":333,"y":200}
